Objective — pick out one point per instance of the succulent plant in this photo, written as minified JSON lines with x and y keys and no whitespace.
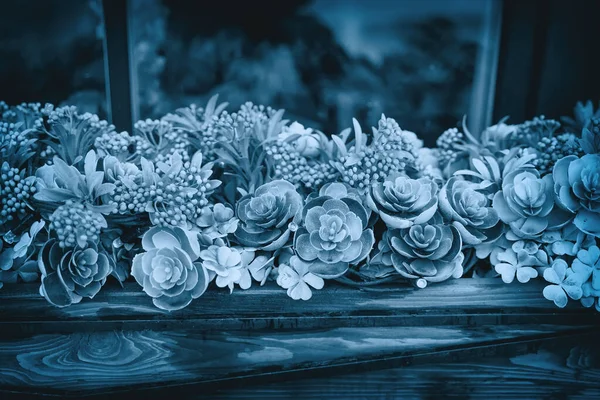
{"x":401,"y":201}
{"x":566,"y":282}
{"x":471,"y":212}
{"x":577,"y":189}
{"x":334,"y":232}
{"x":168,"y":270}
{"x":269,"y":216}
{"x":427,"y":252}
{"x":521,"y":260}
{"x":391,"y":150}
{"x":526,"y":204}
{"x":591,"y":289}
{"x":61,"y":182}
{"x":68,"y":275}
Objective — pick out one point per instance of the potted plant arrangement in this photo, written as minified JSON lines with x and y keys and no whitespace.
{"x":244,"y":198}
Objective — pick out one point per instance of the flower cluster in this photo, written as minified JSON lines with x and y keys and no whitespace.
{"x":247,"y":197}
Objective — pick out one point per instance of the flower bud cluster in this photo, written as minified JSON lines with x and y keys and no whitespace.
{"x":532,"y":132}
{"x":30,"y":114}
{"x":75,"y":224}
{"x":550,"y":150}
{"x":15,"y":191}
{"x":248,"y":117}
{"x":174,"y":199}
{"x":448,"y":144}
{"x":392,"y":150}
{"x":160,"y":140}
{"x":292,"y":167}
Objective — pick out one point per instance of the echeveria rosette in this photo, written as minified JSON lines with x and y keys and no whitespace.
{"x":295,"y":276}
{"x":577,"y":189}
{"x":591,"y":289}
{"x":470,"y":211}
{"x":565,"y":281}
{"x":168,"y":270}
{"x":334,"y":233}
{"x":269,"y":215}
{"x":526,"y":204}
{"x":68,"y":275}
{"x":401,"y":201}
{"x":429,"y":252}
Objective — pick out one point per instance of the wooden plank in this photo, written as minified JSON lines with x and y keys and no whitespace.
{"x":550,"y":372}
{"x":117,"y":362}
{"x":458,"y":302}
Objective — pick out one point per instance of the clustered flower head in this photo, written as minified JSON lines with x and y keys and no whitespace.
{"x":173,"y":192}
{"x":15,"y":191}
{"x":391,"y":150}
{"x":160,"y":141}
{"x":201,"y":124}
{"x":76,"y":225}
{"x":246,"y":197}
{"x":298,"y":162}
{"x":552,"y":149}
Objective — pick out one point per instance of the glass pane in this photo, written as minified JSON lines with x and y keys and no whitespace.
{"x":324,"y":61}
{"x":51,"y":51}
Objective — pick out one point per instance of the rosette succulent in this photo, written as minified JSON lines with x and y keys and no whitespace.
{"x":334,"y":233}
{"x":470,"y":211}
{"x":526,"y":204}
{"x":428,"y":252}
{"x":577,"y":189}
{"x":269,"y":215}
{"x":401,"y":201}
{"x":168,"y":270}
{"x":68,"y":275}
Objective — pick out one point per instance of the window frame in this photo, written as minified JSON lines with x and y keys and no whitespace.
{"x":122,"y":85}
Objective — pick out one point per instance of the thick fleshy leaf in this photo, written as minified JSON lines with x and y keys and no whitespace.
{"x":423,"y":267}
{"x":55,"y":291}
{"x":304,"y":248}
{"x":588,"y":222}
{"x":501,"y":206}
{"x":367,"y":240}
{"x":507,"y":271}
{"x":525,"y":274}
{"x":173,"y":303}
{"x":555,"y":294}
{"x":395,"y":221}
{"x":327,"y":271}
{"x":6,"y":259}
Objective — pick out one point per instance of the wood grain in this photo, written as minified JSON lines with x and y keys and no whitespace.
{"x":459,"y":302}
{"x":550,"y":372}
{"x":84,"y":363}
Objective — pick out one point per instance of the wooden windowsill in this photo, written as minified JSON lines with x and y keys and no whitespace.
{"x":119,"y":342}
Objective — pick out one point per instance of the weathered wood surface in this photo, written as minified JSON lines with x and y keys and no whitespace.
{"x":459,"y":302}
{"x":97,"y":363}
{"x":550,"y":372}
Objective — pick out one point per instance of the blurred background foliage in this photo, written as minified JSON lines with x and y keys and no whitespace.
{"x":324,"y":61}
